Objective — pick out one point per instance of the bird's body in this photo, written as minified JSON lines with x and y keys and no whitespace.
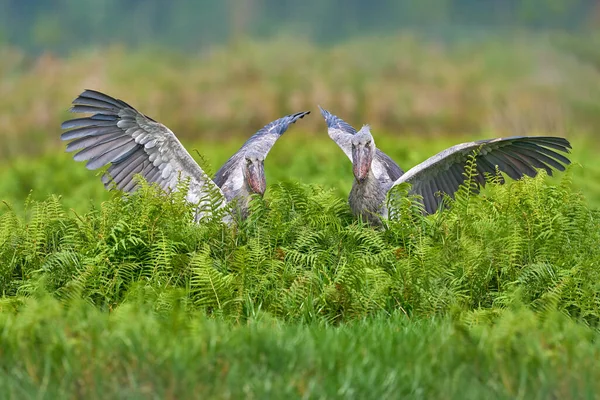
{"x":134,"y":144}
{"x":375,"y":173}
{"x":236,"y":182}
{"x":367,"y":198}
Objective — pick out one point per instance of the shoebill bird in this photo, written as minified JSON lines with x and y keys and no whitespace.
{"x":133,"y":143}
{"x":375,"y":173}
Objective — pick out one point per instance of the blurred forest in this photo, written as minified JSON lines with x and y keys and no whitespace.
{"x":62,"y":25}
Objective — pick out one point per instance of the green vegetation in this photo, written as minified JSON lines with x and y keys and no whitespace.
{"x":519,"y":84}
{"x":112,"y":296}
{"x":49,"y":351}
{"x":497,"y":296}
{"x":302,"y":257}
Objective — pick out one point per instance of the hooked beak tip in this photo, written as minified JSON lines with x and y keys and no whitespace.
{"x":257,"y":187}
{"x":359,"y":173}
{"x":256,"y":180}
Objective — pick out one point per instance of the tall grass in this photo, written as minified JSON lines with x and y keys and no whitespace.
{"x":510,"y":85}
{"x":301,"y":256}
{"x":52,"y":351}
{"x":125,"y":297}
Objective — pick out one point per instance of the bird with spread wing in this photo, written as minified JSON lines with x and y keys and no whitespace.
{"x":135,"y":144}
{"x":375,"y":173}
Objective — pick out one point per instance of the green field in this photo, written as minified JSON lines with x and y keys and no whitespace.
{"x":496,"y":297}
{"x":132,"y":353}
{"x":106,"y":296}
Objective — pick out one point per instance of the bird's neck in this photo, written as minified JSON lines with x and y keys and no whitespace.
{"x":367,"y":198}
{"x":241,"y":199}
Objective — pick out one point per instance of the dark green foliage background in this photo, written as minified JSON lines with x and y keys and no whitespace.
{"x":301,"y":256}
{"x":124,"y":296}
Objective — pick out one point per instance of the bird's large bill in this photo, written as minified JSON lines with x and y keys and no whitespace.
{"x":361,"y":162}
{"x":256,"y":177}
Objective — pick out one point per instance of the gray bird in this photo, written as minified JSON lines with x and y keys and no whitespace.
{"x":375,"y":173}
{"x":132,"y":143}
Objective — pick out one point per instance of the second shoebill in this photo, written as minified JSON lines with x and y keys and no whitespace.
{"x":133,"y":143}
{"x":375,"y":173}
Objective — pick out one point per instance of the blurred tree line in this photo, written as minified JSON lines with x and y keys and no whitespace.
{"x":63,"y":25}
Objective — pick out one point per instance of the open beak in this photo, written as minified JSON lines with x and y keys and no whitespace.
{"x":361,"y":162}
{"x":256,"y":177}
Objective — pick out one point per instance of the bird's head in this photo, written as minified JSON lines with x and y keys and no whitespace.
{"x":254,"y":172}
{"x":363,"y":149}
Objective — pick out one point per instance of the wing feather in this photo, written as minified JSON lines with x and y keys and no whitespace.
{"x":549,"y":153}
{"x":541,"y":157}
{"x":445,"y":183}
{"x":503,"y":164}
{"x":124,"y":170}
{"x":90,"y":141}
{"x":521,"y":165}
{"x":515,"y":156}
{"x":428,"y":197}
{"x":98,"y":127}
{"x":132,"y":143}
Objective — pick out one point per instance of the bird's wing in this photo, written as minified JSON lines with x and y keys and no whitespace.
{"x":515,"y":156}
{"x":341,"y":133}
{"x":385,"y":163}
{"x":229,"y":177}
{"x":132,"y":143}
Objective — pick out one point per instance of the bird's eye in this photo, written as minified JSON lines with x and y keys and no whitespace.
{"x":368,"y":143}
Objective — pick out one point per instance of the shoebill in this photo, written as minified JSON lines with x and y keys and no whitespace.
{"x":133,"y":143}
{"x":375,"y":173}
